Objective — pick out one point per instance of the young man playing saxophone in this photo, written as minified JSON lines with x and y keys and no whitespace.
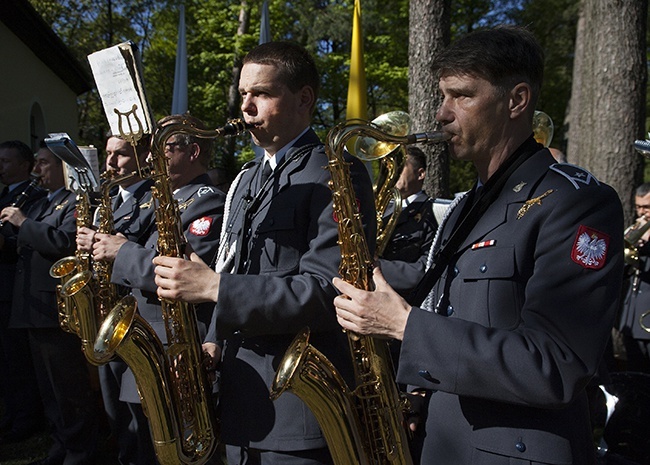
{"x":277,"y":253}
{"x":133,"y":220}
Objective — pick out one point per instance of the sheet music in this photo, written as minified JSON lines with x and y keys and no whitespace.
{"x":117,"y":75}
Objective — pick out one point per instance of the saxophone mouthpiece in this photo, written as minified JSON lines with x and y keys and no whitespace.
{"x":428,"y":137}
{"x":236,"y":126}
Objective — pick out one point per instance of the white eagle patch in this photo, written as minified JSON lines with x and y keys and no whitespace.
{"x":201,"y":227}
{"x":590,"y":248}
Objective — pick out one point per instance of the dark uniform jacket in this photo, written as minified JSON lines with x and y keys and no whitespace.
{"x":281,"y":282}
{"x":135,"y":218}
{"x":8,"y":254}
{"x":637,"y":298}
{"x":47,"y":235}
{"x":201,"y":207}
{"x":404,"y":261}
{"x":522,"y":317}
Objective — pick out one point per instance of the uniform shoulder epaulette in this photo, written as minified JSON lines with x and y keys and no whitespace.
{"x":576,"y":175}
{"x":248,"y":165}
{"x":205,"y":190}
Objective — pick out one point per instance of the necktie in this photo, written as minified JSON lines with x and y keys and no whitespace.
{"x":266,"y":172}
{"x":118,"y":201}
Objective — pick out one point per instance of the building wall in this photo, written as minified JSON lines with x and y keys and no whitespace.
{"x":27,"y":85}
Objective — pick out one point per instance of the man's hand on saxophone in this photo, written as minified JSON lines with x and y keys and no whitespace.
{"x":85,"y":236}
{"x":106,"y":246}
{"x":191,"y":281}
{"x":382,"y":312}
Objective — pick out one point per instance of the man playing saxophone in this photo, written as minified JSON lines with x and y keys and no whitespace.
{"x":637,"y":297}
{"x":201,"y":209}
{"x":277,"y":253}
{"x":130,"y":213}
{"x":520,"y":301}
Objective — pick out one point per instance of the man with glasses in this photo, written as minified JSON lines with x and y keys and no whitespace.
{"x":201,"y":209}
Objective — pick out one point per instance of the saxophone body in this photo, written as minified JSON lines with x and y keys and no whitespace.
{"x":67,"y":267}
{"x":174,"y":387}
{"x":363,"y":425}
{"x":89,"y":292}
{"x":106,"y":294}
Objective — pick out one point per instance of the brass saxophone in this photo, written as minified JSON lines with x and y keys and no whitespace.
{"x":173,"y":384}
{"x":391,"y":161}
{"x":90,"y":291}
{"x":364,"y":425}
{"x":65,"y":268}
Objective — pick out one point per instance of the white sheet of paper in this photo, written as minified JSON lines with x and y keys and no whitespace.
{"x":118,"y":91}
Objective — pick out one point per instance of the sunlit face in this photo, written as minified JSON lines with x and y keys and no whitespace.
{"x":120,"y":156}
{"x":13,"y":168}
{"x":277,"y":113}
{"x":410,"y":180}
{"x":50,"y":170}
{"x":474,"y":113}
{"x":179,"y":158}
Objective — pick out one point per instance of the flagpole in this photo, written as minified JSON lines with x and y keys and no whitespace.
{"x":357,"y":105}
{"x":179,"y":99}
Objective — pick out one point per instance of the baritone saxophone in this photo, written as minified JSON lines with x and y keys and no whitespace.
{"x":173,"y":384}
{"x":365,"y":424}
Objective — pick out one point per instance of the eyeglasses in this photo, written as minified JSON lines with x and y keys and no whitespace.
{"x":171,"y":146}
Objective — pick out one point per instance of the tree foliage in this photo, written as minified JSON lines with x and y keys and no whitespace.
{"x":217,"y":40}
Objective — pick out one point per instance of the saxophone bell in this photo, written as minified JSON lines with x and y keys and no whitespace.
{"x":78,"y":290}
{"x":64,"y":269}
{"x":397,"y":125}
{"x":391,"y":153}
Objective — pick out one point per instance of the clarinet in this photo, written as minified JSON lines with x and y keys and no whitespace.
{"x":23,"y":197}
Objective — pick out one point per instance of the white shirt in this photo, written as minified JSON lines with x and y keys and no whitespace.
{"x":275,"y":159}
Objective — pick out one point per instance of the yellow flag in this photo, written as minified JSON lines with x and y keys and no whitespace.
{"x":357,"y":106}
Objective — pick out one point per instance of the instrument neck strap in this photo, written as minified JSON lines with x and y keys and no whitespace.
{"x":472,"y":212}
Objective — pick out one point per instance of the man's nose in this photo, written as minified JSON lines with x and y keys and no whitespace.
{"x":247,"y":105}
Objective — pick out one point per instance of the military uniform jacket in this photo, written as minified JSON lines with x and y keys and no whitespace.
{"x":637,"y":298}
{"x":8,"y":254}
{"x":47,"y":235}
{"x":522,"y":316}
{"x":404,"y":260}
{"x":135,"y":218}
{"x":281,"y":282}
{"x":201,"y":207}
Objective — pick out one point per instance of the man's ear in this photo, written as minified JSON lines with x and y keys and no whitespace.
{"x":421,"y":174}
{"x":520,"y":99}
{"x":307,"y":97}
{"x":195,"y":151}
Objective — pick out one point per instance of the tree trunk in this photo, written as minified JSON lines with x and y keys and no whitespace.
{"x":429,"y":33}
{"x":607,"y":108}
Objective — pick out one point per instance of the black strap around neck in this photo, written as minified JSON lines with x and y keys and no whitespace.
{"x":472,"y":212}
{"x":252,"y":204}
